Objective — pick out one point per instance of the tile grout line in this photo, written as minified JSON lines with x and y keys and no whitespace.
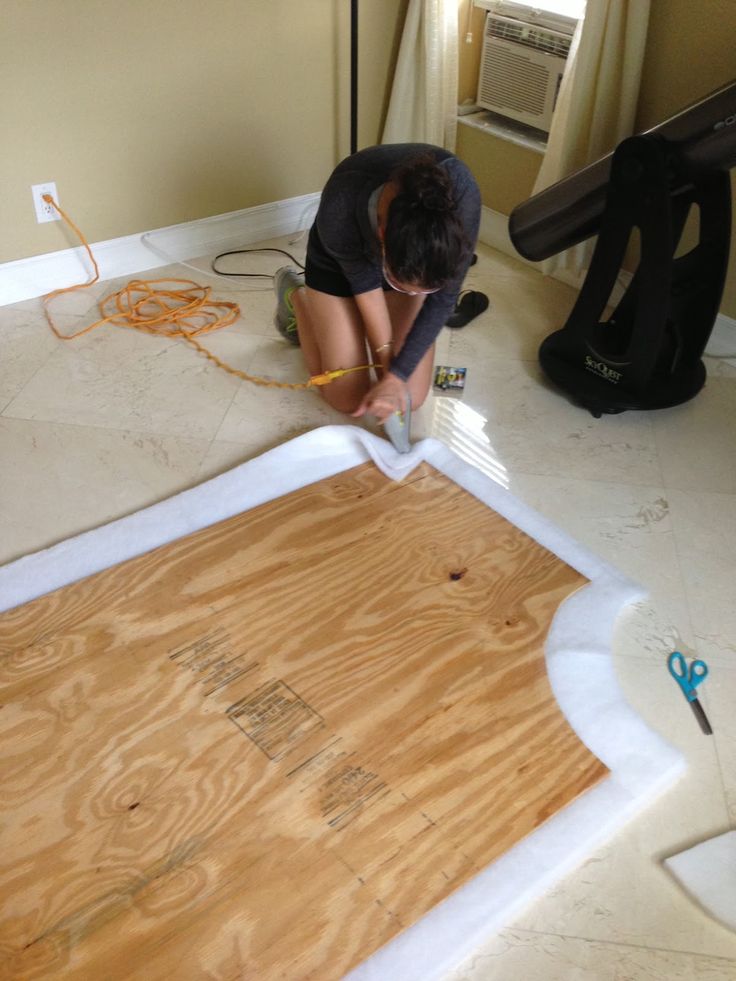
{"x":131,"y":431}
{"x":52,"y":351}
{"x":719,"y":761}
{"x":621,"y":943}
{"x":238,"y":389}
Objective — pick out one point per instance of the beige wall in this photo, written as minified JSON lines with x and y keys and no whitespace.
{"x":505,"y":172}
{"x":153,"y":112}
{"x":690,"y":52}
{"x":469,"y":55}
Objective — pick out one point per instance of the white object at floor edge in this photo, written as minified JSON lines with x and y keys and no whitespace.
{"x":708,"y":873}
{"x":578,"y":654}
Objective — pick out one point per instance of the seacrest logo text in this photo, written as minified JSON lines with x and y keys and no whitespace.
{"x":602,"y":369}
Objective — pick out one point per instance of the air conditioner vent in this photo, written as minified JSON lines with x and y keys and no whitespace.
{"x":515,"y":82}
{"x":539,"y":38}
{"x":521,"y":68}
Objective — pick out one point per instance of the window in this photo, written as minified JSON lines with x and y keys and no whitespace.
{"x":568,"y":8}
{"x":524,"y":53}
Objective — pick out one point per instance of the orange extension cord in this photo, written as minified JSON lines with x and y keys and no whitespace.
{"x":172,"y":313}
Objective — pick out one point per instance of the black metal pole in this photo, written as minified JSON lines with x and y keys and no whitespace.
{"x":353,"y":75}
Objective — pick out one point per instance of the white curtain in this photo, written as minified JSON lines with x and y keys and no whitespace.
{"x":597,"y":101}
{"x":423,"y":104}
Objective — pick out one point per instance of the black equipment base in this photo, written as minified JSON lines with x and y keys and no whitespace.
{"x":647,"y":355}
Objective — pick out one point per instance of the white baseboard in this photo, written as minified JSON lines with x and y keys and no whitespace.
{"x":494,"y":232}
{"x":722,"y":341}
{"x":24,"y":279}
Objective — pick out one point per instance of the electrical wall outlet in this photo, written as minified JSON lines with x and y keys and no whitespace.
{"x":45,"y":211}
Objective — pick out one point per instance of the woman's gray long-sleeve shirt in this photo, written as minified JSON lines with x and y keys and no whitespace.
{"x":348,"y":236}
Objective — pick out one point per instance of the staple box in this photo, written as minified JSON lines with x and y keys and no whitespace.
{"x":449,"y":381}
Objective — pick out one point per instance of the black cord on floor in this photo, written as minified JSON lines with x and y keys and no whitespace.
{"x":248,"y":252}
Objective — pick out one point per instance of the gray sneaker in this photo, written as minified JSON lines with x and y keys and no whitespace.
{"x":285,"y":281}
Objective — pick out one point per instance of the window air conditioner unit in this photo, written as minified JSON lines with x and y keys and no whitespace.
{"x":521,"y":66}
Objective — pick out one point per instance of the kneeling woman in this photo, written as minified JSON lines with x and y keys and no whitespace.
{"x":386,"y":257}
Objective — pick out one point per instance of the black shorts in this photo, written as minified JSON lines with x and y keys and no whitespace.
{"x":323,"y":273}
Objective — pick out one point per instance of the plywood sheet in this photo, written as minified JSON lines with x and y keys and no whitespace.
{"x":263,"y":750}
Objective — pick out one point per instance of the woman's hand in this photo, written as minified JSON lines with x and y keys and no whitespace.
{"x":386,"y":397}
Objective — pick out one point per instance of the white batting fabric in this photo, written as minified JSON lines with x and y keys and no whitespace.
{"x":578,"y":654}
{"x":708,"y":873}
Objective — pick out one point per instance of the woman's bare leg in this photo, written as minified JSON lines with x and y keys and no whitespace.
{"x":331,"y":336}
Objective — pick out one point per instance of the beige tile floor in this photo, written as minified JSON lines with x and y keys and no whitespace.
{"x":100,"y":427}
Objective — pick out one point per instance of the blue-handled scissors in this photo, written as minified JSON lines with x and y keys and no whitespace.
{"x":688,"y":678}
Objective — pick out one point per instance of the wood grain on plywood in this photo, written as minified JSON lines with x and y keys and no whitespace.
{"x":263,"y":750}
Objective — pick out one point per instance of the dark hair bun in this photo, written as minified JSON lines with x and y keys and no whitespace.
{"x":424,"y":239}
{"x":426,"y":184}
